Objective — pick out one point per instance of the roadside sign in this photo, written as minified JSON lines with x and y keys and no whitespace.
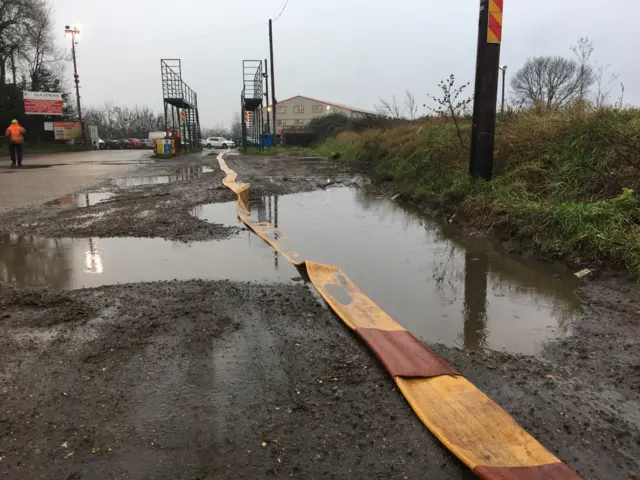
{"x":67,"y":130}
{"x":494,"y":34}
{"x":42,"y":103}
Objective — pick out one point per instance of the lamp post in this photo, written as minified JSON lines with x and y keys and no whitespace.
{"x":74,"y":34}
{"x":503,"y":69}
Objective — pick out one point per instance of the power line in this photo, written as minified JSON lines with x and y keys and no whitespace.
{"x":283,"y":9}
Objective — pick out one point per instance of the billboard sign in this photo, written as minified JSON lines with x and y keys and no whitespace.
{"x":67,"y":130}
{"x":42,"y":103}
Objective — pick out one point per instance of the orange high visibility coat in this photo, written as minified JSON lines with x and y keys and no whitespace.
{"x":15,"y":133}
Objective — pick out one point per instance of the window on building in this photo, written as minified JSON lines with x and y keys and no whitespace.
{"x":298,"y":109}
{"x":282,"y":123}
{"x":299,"y":122}
{"x":318,"y":109}
{"x":282,"y":109}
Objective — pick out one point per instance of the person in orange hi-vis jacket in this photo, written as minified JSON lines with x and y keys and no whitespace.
{"x":15,"y":134}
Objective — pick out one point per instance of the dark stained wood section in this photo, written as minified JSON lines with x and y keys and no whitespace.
{"x":403,"y":355}
{"x":553,"y":471}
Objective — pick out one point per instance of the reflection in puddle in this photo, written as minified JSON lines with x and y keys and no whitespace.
{"x":85,"y":199}
{"x":440,"y":284}
{"x":29,"y":261}
{"x":171,"y":175}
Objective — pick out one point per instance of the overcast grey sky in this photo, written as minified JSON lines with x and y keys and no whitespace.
{"x":345,"y":51}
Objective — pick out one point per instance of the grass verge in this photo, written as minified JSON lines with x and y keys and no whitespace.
{"x":565,"y":182}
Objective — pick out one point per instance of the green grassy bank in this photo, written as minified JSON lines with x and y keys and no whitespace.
{"x":565,"y":182}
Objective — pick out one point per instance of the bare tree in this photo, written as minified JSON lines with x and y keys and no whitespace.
{"x":393,"y":108}
{"x":411,"y":105}
{"x":218,"y":130}
{"x":390,"y":108}
{"x":15,"y":19}
{"x":603,"y":85}
{"x":236,"y":127}
{"x":583,"y":50}
{"x":551,"y":81}
{"x":43,"y":59}
{"x":451,"y":105}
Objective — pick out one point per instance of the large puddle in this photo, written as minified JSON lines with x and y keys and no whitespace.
{"x":30,"y":261}
{"x":170,"y":175}
{"x":438,"y":283}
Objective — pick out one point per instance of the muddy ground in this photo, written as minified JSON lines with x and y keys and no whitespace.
{"x":217,"y":380}
{"x":163,"y":210}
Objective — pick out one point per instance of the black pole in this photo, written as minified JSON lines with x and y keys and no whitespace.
{"x":274,"y":102}
{"x":266,"y":76}
{"x":485,"y":97}
{"x":77,"y":82}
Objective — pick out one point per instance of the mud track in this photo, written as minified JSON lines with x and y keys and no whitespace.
{"x":225,"y":380}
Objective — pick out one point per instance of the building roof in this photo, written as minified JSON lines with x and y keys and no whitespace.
{"x":333,"y":104}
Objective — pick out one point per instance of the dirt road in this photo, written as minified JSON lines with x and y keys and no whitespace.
{"x":226,"y":379}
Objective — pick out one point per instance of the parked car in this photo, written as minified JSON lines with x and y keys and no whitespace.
{"x":147,"y":142}
{"x":114,"y":145}
{"x":99,"y":144}
{"x":125,"y":143}
{"x":135,"y":143}
{"x":218,"y":142}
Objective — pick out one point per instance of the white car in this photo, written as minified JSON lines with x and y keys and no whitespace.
{"x":218,"y":142}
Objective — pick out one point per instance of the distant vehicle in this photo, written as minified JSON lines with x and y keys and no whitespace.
{"x":125,"y":143}
{"x":218,"y":142}
{"x":114,"y":145}
{"x":135,"y":143}
{"x":99,"y":144}
{"x":147,"y":142}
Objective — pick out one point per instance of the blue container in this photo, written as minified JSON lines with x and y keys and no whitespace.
{"x":267,"y":140}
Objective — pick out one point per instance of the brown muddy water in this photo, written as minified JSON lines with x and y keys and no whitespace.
{"x":439,"y":283}
{"x":30,"y":261}
{"x":171,"y":175}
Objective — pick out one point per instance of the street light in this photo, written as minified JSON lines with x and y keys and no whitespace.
{"x":74,"y":34}
{"x":503,"y":69}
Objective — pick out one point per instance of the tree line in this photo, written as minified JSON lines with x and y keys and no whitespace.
{"x":29,"y":56}
{"x":120,"y":121}
{"x":542,"y":82}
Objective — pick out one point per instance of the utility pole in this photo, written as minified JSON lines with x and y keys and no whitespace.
{"x":503,"y":69}
{"x":13,"y":67}
{"x":486,"y":89}
{"x":73,"y":32}
{"x":266,"y":76}
{"x":274,"y":102}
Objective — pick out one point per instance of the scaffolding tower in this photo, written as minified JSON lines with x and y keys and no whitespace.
{"x":251,"y":103}
{"x":181,"y":117}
